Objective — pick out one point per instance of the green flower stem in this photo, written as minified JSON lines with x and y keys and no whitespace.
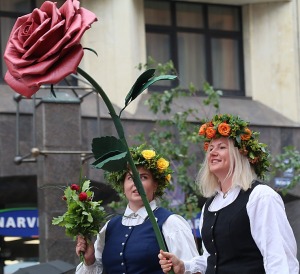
{"x":106,"y":100}
{"x":136,"y":175}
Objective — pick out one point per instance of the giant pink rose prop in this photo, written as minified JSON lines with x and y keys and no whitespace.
{"x":44,"y":46}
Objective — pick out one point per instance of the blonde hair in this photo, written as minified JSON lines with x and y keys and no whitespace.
{"x":240,"y":170}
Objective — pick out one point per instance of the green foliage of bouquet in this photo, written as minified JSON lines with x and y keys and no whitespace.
{"x":83,"y":216}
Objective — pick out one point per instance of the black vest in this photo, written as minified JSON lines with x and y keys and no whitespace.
{"x":227,"y":237}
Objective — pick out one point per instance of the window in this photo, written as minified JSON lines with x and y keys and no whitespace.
{"x":203,"y":40}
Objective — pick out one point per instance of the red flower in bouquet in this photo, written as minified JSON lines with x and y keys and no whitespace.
{"x":75,"y":187}
{"x":44,"y":46}
{"x":83,"y":196}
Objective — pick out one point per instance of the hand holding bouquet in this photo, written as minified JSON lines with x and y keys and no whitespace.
{"x":83,"y":216}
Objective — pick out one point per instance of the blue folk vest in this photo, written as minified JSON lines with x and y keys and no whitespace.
{"x":132,"y":249}
{"x":227,"y":237}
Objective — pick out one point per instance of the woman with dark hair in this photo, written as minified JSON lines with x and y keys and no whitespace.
{"x":127,"y":243}
{"x":243,"y":224}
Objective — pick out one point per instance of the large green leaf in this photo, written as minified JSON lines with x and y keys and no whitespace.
{"x":106,"y":144}
{"x":110,"y":153}
{"x":155,"y":79}
{"x":111,"y":162}
{"x":143,"y":82}
{"x":140,"y":81}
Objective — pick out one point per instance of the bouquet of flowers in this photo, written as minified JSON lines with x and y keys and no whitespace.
{"x":83,"y":216}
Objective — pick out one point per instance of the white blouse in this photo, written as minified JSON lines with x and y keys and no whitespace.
{"x":176,"y":231}
{"x":270,"y":230}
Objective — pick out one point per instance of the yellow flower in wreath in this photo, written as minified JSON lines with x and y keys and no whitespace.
{"x":162,"y":164}
{"x":168,"y":177}
{"x":148,"y":154}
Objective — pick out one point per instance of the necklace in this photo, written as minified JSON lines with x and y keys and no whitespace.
{"x":226,"y":194}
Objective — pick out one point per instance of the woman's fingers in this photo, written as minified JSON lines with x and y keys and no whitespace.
{"x":165,"y":254}
{"x":168,"y":260}
{"x":79,"y":249}
{"x":166,"y":264}
{"x":81,"y":245}
{"x":166,"y":268}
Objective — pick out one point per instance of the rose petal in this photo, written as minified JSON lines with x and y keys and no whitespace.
{"x":85,"y":24}
{"x":45,"y":43}
{"x":13,"y":59}
{"x":27,"y":28}
{"x":34,"y":69}
{"x":42,"y":67}
{"x":52,"y":12}
{"x":14,"y":32}
{"x":14,"y":42}
{"x":25,"y":31}
{"x":65,"y":39}
{"x":38,"y":16}
{"x":68,"y":10}
{"x":37,"y":33}
{"x":38,"y":67}
{"x":19,"y":86}
{"x":29,"y":84}
{"x":87,"y":16}
{"x":20,"y":21}
{"x":78,"y":25}
{"x":15,"y":49}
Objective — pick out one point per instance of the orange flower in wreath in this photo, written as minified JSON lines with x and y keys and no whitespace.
{"x":254,"y":161}
{"x":210,"y":132}
{"x":243,"y":151}
{"x":224,"y":129}
{"x":247,"y":135}
{"x":205,"y":146}
{"x":202,"y":130}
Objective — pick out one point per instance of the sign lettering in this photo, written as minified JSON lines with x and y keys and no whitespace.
{"x":21,"y":222}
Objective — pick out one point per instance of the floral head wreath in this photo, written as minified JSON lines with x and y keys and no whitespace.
{"x":233,"y":127}
{"x":149,"y":159}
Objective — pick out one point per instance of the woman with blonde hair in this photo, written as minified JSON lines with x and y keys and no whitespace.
{"x":243,"y":224}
